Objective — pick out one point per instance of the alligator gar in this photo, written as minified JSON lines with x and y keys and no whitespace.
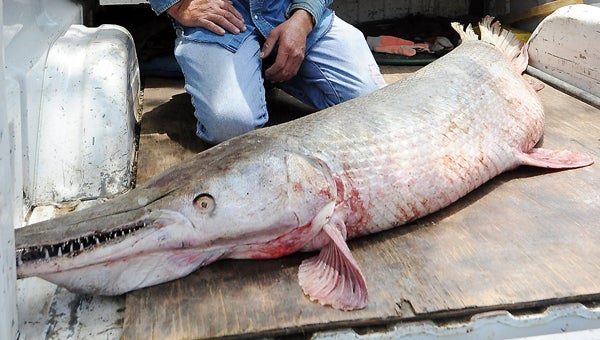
{"x":366,"y":165}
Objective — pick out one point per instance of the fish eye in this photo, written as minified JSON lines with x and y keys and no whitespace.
{"x":205,"y":203}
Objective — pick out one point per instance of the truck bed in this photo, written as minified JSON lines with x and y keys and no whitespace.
{"x":527,"y":239}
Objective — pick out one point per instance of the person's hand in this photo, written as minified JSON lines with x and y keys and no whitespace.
{"x":217,"y":16}
{"x":290,"y":37}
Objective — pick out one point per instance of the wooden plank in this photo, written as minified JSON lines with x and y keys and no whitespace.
{"x":167,"y":135}
{"x":527,"y":238}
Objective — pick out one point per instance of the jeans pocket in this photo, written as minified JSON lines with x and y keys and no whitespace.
{"x":229,"y":41}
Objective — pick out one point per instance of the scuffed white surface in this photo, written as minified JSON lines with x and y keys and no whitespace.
{"x":8,"y":328}
{"x":29,"y":29}
{"x":566,"y":46}
{"x":46,"y":311}
{"x":568,"y":321}
{"x":87,"y":118}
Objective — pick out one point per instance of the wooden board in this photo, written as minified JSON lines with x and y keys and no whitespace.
{"x":527,"y":238}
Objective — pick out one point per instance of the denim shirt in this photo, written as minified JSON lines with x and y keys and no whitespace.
{"x":261,"y":15}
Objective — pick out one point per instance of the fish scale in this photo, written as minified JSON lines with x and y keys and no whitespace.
{"x":464,"y":131}
{"x":360,"y":167}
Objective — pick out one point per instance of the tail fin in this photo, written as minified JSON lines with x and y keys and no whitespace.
{"x":513,"y":48}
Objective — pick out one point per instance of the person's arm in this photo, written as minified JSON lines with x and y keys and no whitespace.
{"x":160,"y":6}
{"x":316,"y":8}
{"x":290,"y":37}
{"x":217,"y":16}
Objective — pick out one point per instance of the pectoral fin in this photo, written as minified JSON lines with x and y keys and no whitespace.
{"x":333,"y":277}
{"x":555,"y":159}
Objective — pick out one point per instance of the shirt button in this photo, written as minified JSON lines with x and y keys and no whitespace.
{"x":256,"y":16}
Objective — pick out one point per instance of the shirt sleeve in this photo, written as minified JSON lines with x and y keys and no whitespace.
{"x":316,"y":8}
{"x":159,"y":6}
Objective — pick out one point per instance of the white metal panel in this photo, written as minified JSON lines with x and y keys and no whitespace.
{"x":568,"y":321}
{"x":75,"y":91}
{"x":8,"y":317}
{"x":87,"y":118}
{"x":109,"y":79}
{"x":566,"y":46}
{"x":30,"y":28}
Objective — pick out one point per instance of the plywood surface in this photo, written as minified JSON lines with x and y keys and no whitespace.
{"x":527,"y":238}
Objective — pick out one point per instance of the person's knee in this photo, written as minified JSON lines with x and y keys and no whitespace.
{"x":225,"y":122}
{"x":218,"y":133}
{"x":371,"y":80}
{"x":368,"y":85}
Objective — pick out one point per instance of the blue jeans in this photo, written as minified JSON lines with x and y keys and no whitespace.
{"x":227,"y":88}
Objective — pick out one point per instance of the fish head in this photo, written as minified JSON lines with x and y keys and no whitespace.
{"x":238,"y":205}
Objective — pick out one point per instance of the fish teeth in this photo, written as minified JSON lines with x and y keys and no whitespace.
{"x":69,"y":247}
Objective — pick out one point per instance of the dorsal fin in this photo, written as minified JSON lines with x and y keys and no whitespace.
{"x":491,"y":32}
